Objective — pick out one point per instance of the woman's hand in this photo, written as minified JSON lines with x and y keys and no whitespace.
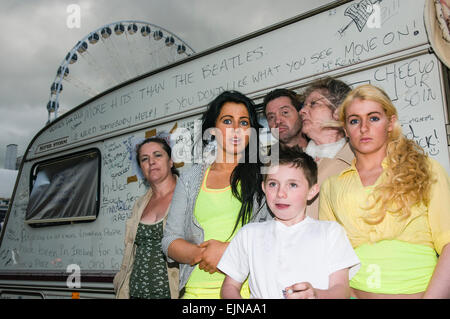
{"x":210,"y":257}
{"x":185,"y":252}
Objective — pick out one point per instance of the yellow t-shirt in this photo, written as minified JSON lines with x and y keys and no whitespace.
{"x":343,"y":198}
{"x":216,"y":211}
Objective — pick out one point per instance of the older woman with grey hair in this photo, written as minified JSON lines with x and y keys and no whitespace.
{"x":327,"y":145}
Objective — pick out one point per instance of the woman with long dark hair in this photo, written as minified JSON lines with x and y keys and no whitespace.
{"x":211,"y":202}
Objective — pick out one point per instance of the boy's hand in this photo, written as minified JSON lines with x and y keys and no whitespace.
{"x":302,"y":290}
{"x":213,"y":251}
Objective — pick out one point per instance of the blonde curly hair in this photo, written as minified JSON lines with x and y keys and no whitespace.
{"x":408,"y":175}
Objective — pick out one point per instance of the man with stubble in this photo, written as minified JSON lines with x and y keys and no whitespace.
{"x":281,"y":107}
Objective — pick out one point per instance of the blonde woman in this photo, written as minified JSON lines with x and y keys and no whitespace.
{"x":394,"y":203}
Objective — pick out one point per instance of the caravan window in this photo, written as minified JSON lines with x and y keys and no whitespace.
{"x":65,"y":190}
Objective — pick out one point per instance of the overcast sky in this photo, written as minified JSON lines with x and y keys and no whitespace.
{"x":35,"y":39}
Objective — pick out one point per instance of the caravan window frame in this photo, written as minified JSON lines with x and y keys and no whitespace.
{"x":67,"y":157}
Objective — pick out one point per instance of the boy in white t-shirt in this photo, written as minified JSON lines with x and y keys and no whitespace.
{"x":292,"y":256}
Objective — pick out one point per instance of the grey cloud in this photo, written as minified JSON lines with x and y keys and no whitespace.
{"x":35,"y":40}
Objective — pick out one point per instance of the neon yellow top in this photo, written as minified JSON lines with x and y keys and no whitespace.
{"x":394,"y":267}
{"x":342,"y":198}
{"x":216,"y":211}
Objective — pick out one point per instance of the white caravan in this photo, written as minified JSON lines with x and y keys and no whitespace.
{"x":63,"y":233}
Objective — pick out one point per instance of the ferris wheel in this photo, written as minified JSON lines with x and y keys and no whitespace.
{"x":110,"y":55}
